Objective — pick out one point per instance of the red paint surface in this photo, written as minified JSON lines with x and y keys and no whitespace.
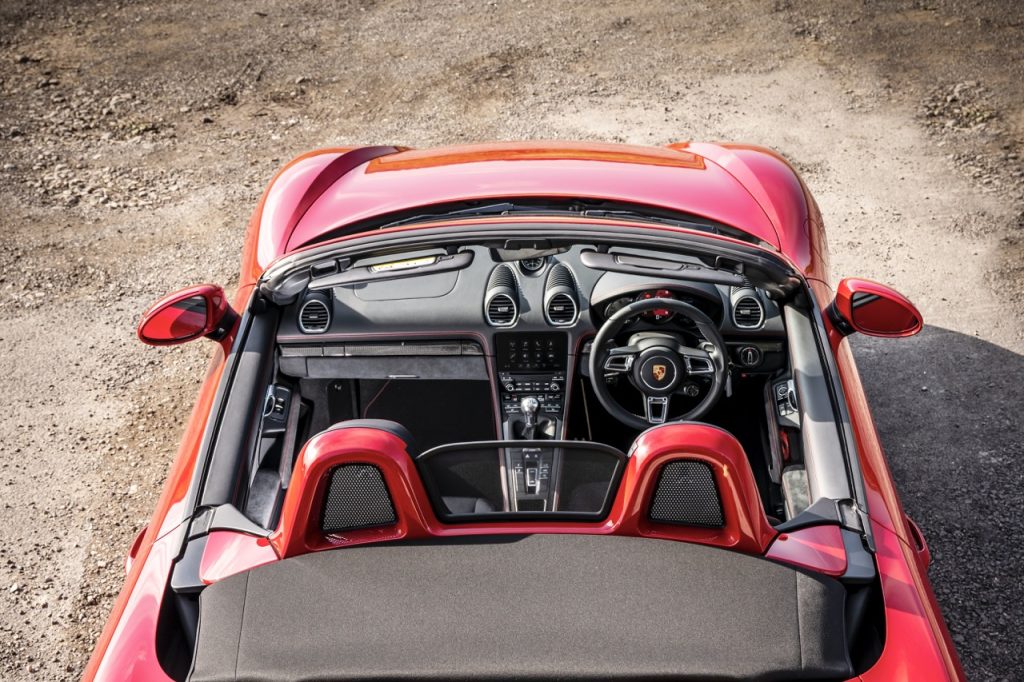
{"x":676,"y":179}
{"x":173,"y":319}
{"x":127,"y":647}
{"x":922,"y":641}
{"x":893,"y":311}
{"x":819,"y":548}
{"x":747,"y":187}
{"x":129,"y":634}
{"x":229,"y":552}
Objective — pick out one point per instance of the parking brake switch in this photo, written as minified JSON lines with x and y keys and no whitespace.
{"x":532,"y":481}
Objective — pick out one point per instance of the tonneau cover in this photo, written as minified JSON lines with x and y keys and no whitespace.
{"x":531,"y":607}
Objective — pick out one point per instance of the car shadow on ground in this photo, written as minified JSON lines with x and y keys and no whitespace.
{"x":948,"y":406}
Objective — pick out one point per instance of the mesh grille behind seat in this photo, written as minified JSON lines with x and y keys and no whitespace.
{"x":687,"y":495}
{"x":357,"y":497}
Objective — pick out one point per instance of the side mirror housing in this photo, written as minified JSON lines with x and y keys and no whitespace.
{"x":187,"y":314}
{"x":873,"y":309}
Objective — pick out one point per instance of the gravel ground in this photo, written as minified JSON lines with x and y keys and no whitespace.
{"x":135,"y":138}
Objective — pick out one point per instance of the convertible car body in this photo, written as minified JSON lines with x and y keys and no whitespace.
{"x":536,"y":411}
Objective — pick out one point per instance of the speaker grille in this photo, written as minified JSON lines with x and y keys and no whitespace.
{"x":502,"y":276}
{"x":560,"y":276}
{"x":687,"y":495}
{"x":357,"y":497}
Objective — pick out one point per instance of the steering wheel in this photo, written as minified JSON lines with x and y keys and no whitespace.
{"x":657,"y":363}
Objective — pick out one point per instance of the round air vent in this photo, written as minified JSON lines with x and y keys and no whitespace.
{"x":501,"y":311}
{"x":501,"y":298}
{"x":747,"y":312}
{"x":561,"y":306}
{"x":314,"y":316}
{"x":561,"y":310}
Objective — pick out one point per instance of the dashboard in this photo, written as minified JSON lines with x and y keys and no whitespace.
{"x":405,"y":313}
{"x":523,"y":324}
{"x":480,"y":313}
{"x":486,"y":295}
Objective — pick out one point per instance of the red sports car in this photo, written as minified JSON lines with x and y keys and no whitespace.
{"x":536,"y":411}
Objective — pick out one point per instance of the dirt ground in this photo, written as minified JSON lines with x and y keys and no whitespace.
{"x":136,"y":137}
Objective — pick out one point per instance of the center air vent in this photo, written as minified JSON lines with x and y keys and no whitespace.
{"x":501,"y":298}
{"x":561,"y":310}
{"x":748,"y":313}
{"x":314,"y":316}
{"x":561,"y":306}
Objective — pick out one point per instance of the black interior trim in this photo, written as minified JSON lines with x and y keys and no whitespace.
{"x":290,"y":275}
{"x":634,"y":265}
{"x":372,"y":273}
{"x":228,"y":463}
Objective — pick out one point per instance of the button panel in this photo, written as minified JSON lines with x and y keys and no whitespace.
{"x":531,"y":471}
{"x":785,"y":398}
{"x":548,"y":389}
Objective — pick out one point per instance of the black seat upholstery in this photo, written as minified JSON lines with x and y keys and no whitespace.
{"x":394,"y":428}
{"x":467,"y":505}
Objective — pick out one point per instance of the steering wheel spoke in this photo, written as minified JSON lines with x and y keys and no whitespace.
{"x":698,"y":361}
{"x":656,"y":408}
{"x":620,"y":360}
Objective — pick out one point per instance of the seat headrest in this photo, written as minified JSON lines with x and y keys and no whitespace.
{"x":694,"y":482}
{"x":394,"y":428}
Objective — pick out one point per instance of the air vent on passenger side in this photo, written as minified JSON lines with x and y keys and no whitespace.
{"x":314,"y":316}
{"x":501,"y":298}
{"x":747,"y":312}
{"x":561,"y":307}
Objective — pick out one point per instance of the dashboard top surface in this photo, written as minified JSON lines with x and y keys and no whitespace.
{"x":455,"y":302}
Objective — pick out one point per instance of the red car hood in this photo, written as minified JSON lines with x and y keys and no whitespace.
{"x":737,"y":186}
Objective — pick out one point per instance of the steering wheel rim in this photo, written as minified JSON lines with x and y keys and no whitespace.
{"x":614,"y":324}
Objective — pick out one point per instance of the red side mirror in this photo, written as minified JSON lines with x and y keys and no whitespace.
{"x":874,"y":309}
{"x":187,"y":314}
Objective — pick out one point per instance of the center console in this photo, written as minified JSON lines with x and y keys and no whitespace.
{"x":531,"y":377}
{"x":532,"y":385}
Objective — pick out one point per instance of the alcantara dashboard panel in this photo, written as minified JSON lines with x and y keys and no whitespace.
{"x":455,"y":359}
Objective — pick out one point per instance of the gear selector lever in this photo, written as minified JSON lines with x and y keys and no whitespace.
{"x":529,"y":406}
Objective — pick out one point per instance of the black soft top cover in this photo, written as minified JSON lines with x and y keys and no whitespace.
{"x":571,"y":607}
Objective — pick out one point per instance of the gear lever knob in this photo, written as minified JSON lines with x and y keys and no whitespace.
{"x":530,"y":405}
